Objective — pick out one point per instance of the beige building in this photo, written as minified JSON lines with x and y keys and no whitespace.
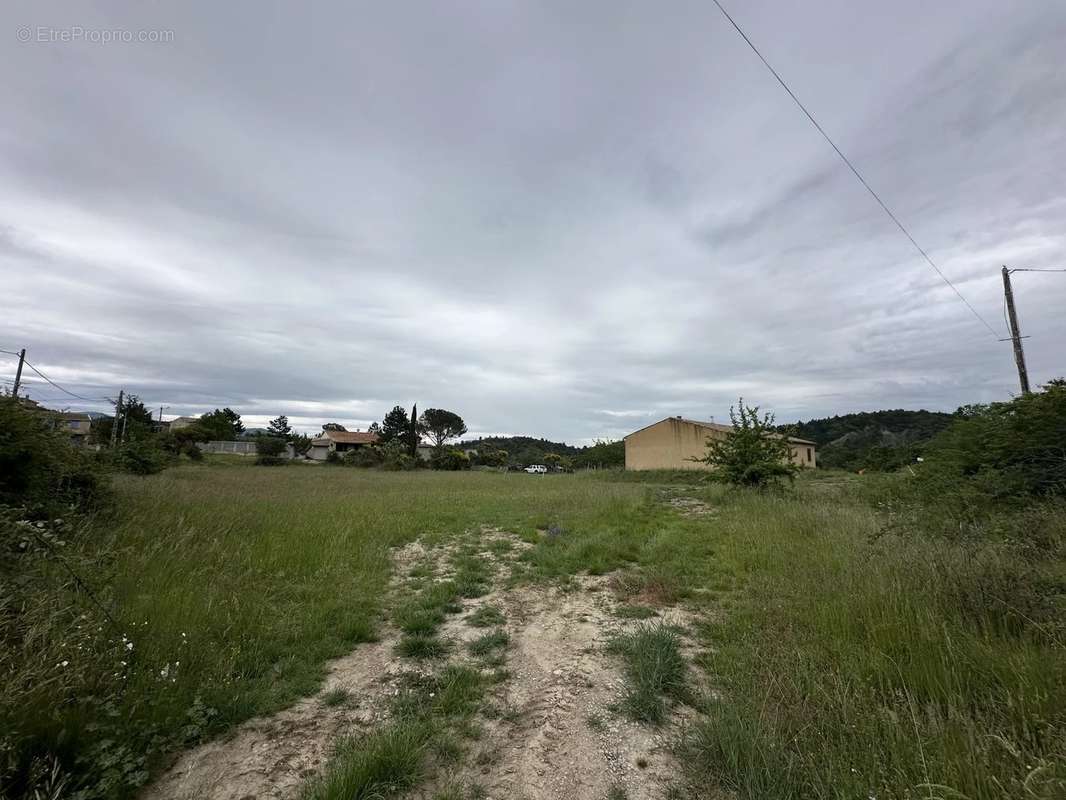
{"x":339,"y":442}
{"x":672,"y":443}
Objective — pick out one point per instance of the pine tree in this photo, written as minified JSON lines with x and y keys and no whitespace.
{"x":396,"y":425}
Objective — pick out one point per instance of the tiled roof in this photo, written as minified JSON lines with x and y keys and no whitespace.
{"x":346,"y":437}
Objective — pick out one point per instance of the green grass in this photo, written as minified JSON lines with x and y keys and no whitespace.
{"x":851,"y":661}
{"x":854,"y":665}
{"x":379,"y":765}
{"x":268,"y":573}
{"x":655,"y":671}
{"x":488,"y":643}
{"x":486,"y":617}
{"x":635,"y":612}
{"x":422,"y":646}
{"x":335,"y":697}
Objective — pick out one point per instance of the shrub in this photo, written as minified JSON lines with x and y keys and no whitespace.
{"x":143,"y":457}
{"x":451,"y":459}
{"x":333,"y":457}
{"x":269,"y":451}
{"x":1007,"y":451}
{"x":369,"y":456}
{"x":394,"y":457}
{"x":40,"y":469}
{"x":753,"y":455}
{"x":269,"y":446}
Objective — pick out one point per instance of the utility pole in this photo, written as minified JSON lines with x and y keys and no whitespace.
{"x":18,"y":373}
{"x":114,"y":425}
{"x":1015,"y":334}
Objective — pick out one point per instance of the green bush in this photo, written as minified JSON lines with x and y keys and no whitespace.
{"x":143,"y":457}
{"x":333,"y":457}
{"x":753,"y":455}
{"x":1004,"y":451}
{"x":451,"y":459}
{"x":269,"y":451}
{"x":368,"y":456}
{"x":40,"y":469}
{"x":992,"y":464}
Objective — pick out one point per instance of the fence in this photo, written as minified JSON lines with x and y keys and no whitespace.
{"x":237,"y":448}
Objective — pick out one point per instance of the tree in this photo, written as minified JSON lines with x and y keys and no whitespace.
{"x":279,"y":427}
{"x":414,"y":432}
{"x":754,"y":454}
{"x":441,"y":425}
{"x":333,"y":426}
{"x":134,"y":422}
{"x":224,"y":424}
{"x":602,"y":454}
{"x":396,"y":425}
{"x":300,"y":444}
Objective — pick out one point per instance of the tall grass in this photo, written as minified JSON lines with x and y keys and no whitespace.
{"x":232,"y":586}
{"x":857,"y":665}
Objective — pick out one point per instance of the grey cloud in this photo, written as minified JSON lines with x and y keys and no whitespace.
{"x":533,"y":213}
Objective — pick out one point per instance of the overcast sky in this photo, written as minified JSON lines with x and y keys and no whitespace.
{"x":564,"y":219}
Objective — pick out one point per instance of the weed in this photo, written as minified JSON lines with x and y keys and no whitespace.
{"x":655,"y":671}
{"x":486,"y":617}
{"x":422,"y":646}
{"x":335,"y":697}
{"x":635,"y":612}
{"x":382,"y":763}
{"x":617,"y":792}
{"x":487,"y":643}
{"x":596,"y":722}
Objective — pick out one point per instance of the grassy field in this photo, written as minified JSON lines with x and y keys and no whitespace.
{"x":851,"y":662}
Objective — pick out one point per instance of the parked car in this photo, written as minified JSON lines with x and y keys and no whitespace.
{"x":537,"y":469}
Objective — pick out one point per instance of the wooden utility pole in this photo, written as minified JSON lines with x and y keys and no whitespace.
{"x":114,"y":424}
{"x":1015,"y":334}
{"x":18,"y":373}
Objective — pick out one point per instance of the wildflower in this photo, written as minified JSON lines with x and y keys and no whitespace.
{"x":62,"y":663}
{"x":129,"y":645}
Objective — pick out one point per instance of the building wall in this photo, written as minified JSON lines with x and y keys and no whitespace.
{"x":672,"y":443}
{"x":668,"y":445}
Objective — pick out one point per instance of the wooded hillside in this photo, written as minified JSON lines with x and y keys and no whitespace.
{"x":878,"y":440}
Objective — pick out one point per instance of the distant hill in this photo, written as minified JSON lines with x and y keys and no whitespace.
{"x":876,"y":440}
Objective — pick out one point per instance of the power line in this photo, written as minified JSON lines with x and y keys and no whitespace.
{"x":1027,"y":269}
{"x":851,"y":166}
{"x":56,"y":385}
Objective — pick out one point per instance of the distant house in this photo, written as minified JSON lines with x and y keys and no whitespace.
{"x":672,"y":443}
{"x":339,"y":442}
{"x":182,"y":422}
{"x":76,"y":424}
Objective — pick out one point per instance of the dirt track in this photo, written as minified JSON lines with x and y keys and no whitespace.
{"x":553,"y":734}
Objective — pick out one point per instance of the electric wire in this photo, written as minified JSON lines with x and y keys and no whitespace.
{"x":853,"y":169}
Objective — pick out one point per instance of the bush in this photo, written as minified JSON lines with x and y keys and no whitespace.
{"x":40,"y":469}
{"x":1007,"y":451}
{"x":333,"y":457}
{"x":982,"y":474}
{"x":269,"y":446}
{"x":451,"y":459}
{"x":269,"y":451}
{"x":395,"y":458}
{"x":141,"y":458}
{"x":368,"y":456}
{"x":753,"y":455}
